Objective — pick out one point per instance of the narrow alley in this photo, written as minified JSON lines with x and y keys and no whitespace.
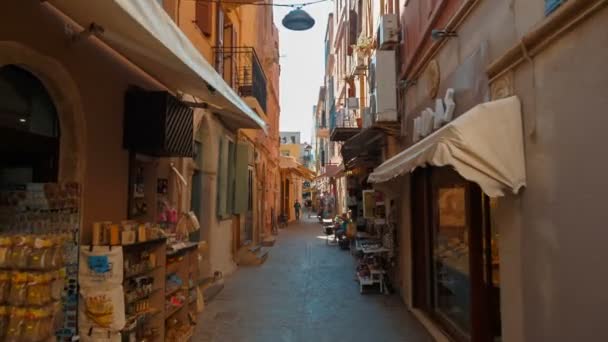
{"x":304,"y":292}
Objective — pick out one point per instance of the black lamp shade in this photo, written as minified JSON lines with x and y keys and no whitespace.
{"x":298,"y":20}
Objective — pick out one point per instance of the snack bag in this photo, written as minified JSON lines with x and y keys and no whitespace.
{"x":39,"y":288}
{"x":5,"y":286}
{"x":5,"y":249}
{"x":41,"y":255}
{"x":15,"y":325}
{"x":19,"y":255}
{"x":18,"y":293}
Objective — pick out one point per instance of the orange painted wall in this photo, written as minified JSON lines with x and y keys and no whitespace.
{"x":102,"y":78}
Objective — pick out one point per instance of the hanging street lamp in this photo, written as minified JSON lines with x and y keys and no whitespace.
{"x":298,"y":20}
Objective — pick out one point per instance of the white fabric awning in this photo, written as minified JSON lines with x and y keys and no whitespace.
{"x":142,"y":31}
{"x":485,"y":146}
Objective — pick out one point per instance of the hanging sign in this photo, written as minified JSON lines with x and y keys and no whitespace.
{"x":430,"y":120}
{"x":369,"y":204}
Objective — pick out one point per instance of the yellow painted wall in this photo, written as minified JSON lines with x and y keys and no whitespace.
{"x":293,"y":150}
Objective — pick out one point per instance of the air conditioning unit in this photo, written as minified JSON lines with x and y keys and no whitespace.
{"x":388,"y":32}
{"x":352,"y":103}
{"x":384,"y":95}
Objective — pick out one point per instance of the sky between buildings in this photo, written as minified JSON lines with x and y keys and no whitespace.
{"x":302,"y":67}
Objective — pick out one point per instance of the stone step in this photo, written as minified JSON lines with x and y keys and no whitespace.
{"x":255,"y":249}
{"x":253,"y":255}
{"x":269,"y":241}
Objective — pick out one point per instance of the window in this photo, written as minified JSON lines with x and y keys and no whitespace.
{"x":202,"y":16}
{"x":293,"y":139}
{"x":552,"y":5}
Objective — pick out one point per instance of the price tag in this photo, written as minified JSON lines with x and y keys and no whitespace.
{"x":99,"y":263}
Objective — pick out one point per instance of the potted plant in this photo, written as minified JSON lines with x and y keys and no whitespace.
{"x":364,"y":46}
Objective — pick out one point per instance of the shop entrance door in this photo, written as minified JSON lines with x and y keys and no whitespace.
{"x":453,"y":249}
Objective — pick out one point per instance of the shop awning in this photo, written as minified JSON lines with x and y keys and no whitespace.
{"x":485,"y":145}
{"x":141,"y":31}
{"x":366,"y":145}
{"x":290,"y":163}
{"x":331,"y":170}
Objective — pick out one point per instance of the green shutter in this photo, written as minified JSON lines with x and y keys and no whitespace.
{"x":221,"y":179}
{"x":241,"y":189}
{"x":231,"y":177}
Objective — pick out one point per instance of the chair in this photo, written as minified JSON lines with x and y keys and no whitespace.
{"x":328,"y":230}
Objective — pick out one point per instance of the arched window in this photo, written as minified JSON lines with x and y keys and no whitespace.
{"x":29,"y":129}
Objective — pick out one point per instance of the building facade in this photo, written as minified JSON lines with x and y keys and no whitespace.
{"x":242,"y":43}
{"x":488,"y":247}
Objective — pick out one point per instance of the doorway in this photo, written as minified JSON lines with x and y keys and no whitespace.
{"x":29,"y":129}
{"x":456,"y":263}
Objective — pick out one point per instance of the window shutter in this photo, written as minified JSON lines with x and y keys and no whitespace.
{"x":203,"y":17}
{"x":231,"y":177}
{"x":222,"y":179}
{"x":352,"y":31}
{"x":241,"y":188}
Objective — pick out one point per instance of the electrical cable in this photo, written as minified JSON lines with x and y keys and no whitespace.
{"x":299,"y":5}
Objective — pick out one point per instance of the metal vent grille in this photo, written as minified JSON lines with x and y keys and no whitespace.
{"x":158,"y":124}
{"x":179,"y":129}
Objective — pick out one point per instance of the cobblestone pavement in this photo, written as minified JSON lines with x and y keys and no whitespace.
{"x":304,"y":292}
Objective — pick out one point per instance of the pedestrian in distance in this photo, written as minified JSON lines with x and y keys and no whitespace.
{"x":297,"y":206}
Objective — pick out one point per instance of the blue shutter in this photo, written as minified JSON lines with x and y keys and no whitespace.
{"x":551,"y":5}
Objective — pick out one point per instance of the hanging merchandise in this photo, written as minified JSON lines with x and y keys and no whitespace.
{"x":100,"y":265}
{"x":39,"y":225}
{"x":101,"y":308}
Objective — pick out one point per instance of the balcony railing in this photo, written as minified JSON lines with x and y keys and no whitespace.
{"x":243,"y":71}
{"x":344,"y":124}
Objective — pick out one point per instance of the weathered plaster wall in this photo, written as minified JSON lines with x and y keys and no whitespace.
{"x":218,"y":233}
{"x":563,"y":209}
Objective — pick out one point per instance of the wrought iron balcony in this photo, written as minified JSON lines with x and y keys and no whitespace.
{"x":344,"y":124}
{"x":243,"y":71}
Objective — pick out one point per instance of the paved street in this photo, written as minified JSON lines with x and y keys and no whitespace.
{"x":304,"y":292}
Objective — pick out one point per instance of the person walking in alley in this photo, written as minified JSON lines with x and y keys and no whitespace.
{"x":297,"y":206}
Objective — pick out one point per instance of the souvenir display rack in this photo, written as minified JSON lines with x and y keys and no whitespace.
{"x":181,"y":292}
{"x":39,"y":233}
{"x":375,"y":248}
{"x":144,"y":286}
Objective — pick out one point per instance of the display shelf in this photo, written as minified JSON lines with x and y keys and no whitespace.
{"x":173,"y":311}
{"x":143,"y":243}
{"x":142,"y":273}
{"x":173,"y":267}
{"x":151,"y":252}
{"x":174,"y":291}
{"x":147,"y":314}
{"x":146,"y":296}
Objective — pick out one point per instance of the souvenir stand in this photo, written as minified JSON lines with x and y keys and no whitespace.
{"x":374,"y":247}
{"x":39,"y":234}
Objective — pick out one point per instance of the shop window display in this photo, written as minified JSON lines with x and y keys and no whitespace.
{"x":456,"y":261}
{"x":451,"y":258}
